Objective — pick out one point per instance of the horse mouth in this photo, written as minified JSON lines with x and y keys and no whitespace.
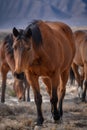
{"x":19,"y":76}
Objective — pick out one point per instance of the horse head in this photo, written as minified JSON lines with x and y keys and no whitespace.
{"x":24,"y":46}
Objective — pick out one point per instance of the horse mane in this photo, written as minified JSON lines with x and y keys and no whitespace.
{"x":8,"y":42}
{"x":21,"y":34}
{"x":79,"y":33}
{"x":34,"y":31}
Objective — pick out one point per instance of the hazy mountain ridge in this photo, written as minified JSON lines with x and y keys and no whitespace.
{"x":20,"y":12}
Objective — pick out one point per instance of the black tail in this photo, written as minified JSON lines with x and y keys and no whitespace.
{"x":72,"y":77}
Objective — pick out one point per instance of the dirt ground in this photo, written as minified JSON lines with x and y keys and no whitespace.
{"x":16,"y":115}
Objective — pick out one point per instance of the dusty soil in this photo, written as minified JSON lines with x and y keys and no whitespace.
{"x":16,"y":115}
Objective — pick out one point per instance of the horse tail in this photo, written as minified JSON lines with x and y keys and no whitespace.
{"x":72,"y":77}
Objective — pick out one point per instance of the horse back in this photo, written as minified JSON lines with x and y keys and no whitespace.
{"x":59,"y":37}
{"x":64,"y":30}
{"x":4,"y":47}
{"x":66,"y":34}
{"x":81,"y":46}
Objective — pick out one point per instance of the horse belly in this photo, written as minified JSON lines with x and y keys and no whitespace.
{"x":84,"y":53}
{"x":78,"y":60}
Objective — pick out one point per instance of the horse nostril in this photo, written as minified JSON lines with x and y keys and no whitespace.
{"x":20,"y":98}
{"x":19,"y":76}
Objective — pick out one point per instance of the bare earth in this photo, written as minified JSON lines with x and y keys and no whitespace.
{"x":16,"y":115}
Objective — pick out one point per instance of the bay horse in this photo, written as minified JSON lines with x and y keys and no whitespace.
{"x":6,"y":65}
{"x":80,"y":60}
{"x":45,"y":49}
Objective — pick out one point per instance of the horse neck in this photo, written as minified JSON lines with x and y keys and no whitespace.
{"x":10,"y":61}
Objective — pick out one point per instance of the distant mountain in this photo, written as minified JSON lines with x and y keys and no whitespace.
{"x":20,"y":12}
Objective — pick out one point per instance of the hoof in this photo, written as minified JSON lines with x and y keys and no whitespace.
{"x":2,"y":101}
{"x":28,"y":100}
{"x":40,"y":121}
{"x":56,"y":116}
{"x":58,"y":121}
{"x":83,"y":99}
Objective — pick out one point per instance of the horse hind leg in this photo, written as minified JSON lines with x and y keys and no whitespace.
{"x":84,"y":90}
{"x":33,"y":80}
{"x":78,"y":78}
{"x":72,"y":77}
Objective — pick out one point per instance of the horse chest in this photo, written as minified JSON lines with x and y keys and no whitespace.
{"x":41,"y":70}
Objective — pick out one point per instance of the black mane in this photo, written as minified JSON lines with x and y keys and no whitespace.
{"x":9,"y":39}
{"x":21,"y":35}
{"x":8,"y":42}
{"x":34,"y":32}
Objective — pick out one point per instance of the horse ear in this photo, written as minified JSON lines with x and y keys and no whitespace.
{"x":28,"y":33}
{"x":15,"y":32}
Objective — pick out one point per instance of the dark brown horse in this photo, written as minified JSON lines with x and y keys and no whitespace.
{"x":80,"y":59}
{"x":45,"y":49}
{"x":6,"y":65}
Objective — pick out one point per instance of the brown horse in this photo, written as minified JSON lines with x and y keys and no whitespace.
{"x":80,"y":59}
{"x":6,"y":65}
{"x":45,"y":49}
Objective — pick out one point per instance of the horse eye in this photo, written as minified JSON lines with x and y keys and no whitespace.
{"x":28,"y":48}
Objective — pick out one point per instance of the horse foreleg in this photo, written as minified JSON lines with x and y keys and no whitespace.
{"x":33,"y":80}
{"x":48,"y":84}
{"x":27,"y":88}
{"x":52,"y":91}
{"x":54,"y":98}
{"x":3,"y":86}
{"x":61,"y":91}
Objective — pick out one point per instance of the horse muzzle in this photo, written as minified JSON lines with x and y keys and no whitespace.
{"x":19,"y":76}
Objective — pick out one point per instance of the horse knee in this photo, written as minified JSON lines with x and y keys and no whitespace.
{"x":38,"y":99}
